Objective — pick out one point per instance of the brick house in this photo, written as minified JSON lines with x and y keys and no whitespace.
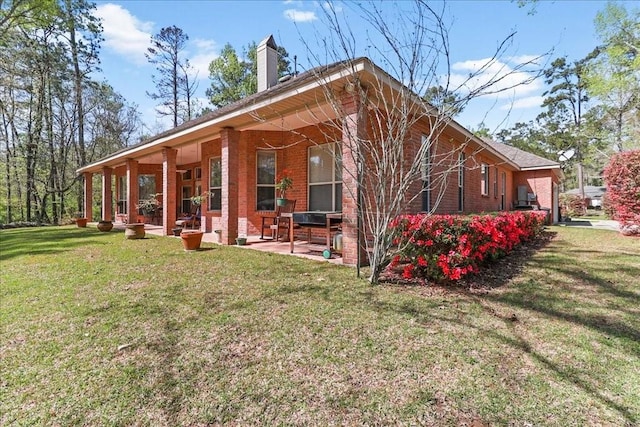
{"x":234,"y":154}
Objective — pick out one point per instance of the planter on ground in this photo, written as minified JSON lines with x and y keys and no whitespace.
{"x":81,"y":222}
{"x":105,"y":225}
{"x":176,"y":231}
{"x":241,"y":241}
{"x":191,"y":239}
{"x":134,"y":231}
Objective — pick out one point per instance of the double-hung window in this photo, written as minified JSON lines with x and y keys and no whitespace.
{"x":215,"y":183}
{"x":503,"y":190}
{"x":146,"y":188}
{"x":325,"y":177}
{"x":461,"y":158}
{"x":186,"y":199}
{"x":266,"y":180}
{"x":122,"y":195}
{"x":484,"y":179}
{"x":426,"y":175}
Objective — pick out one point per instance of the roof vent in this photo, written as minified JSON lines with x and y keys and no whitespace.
{"x":284,"y":78}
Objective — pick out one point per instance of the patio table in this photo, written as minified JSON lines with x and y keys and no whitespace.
{"x":329,"y":221}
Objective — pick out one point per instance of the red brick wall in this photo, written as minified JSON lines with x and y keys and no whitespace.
{"x":538,"y":182}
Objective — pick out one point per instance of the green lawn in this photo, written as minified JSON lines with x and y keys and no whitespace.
{"x":99,"y":330}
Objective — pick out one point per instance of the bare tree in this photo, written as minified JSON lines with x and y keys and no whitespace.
{"x":172,"y":79}
{"x":398,"y":153}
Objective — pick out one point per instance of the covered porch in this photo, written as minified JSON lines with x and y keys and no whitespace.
{"x":233,"y":157}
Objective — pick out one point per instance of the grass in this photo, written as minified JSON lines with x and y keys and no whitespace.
{"x":99,"y":330}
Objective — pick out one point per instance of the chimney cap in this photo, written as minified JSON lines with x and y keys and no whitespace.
{"x":269,"y":41}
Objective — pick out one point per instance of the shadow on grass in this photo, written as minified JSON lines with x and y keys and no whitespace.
{"x":19,"y":242}
{"x":565,"y":282}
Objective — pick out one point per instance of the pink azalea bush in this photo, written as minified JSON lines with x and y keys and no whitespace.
{"x":448,"y":247}
{"x":622,"y":176}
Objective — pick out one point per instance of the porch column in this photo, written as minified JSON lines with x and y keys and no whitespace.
{"x":353,"y":128}
{"x":204,"y":182}
{"x":132,"y":191}
{"x":169,"y":190}
{"x":107,"y":194}
{"x":88,"y":195}
{"x":229,"y":220}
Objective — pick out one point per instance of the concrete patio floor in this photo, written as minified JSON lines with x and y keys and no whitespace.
{"x":301,"y":248}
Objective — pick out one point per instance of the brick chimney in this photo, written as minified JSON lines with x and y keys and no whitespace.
{"x":267,"y":56}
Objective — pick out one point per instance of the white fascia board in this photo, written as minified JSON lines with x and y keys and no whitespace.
{"x":162,"y":142}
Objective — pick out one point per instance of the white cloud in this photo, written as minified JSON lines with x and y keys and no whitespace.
{"x":528,"y":102}
{"x":206,"y":51}
{"x":124,"y":33}
{"x":503,"y":80}
{"x":296,"y":15}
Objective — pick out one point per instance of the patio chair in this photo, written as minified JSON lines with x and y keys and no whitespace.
{"x":276,"y":223}
{"x":191,"y":220}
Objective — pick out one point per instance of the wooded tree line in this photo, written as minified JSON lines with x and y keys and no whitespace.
{"x":56,"y":117}
{"x":592,"y":106}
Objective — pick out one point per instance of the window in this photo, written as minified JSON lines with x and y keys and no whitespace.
{"x":186,"y":198}
{"x":266,"y":181}
{"x":215,"y":184}
{"x":146,"y":187}
{"x":484,"y":179}
{"x":186,"y":175}
{"x":325,"y":177}
{"x":460,"y":182}
{"x":426,"y":176}
{"x":503,"y":191}
{"x":495,"y":183}
{"x":197,"y":172}
{"x":122,"y":195}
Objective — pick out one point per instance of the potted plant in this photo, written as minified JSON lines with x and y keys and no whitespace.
{"x":81,"y":221}
{"x":104,"y":225}
{"x":191,"y":239}
{"x":284,"y":182}
{"x":149,"y":206}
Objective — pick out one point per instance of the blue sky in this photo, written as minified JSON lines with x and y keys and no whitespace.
{"x":476,"y":28}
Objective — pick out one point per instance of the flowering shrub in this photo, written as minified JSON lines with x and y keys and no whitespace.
{"x":572,"y":205}
{"x":448,"y":247}
{"x":622,"y":176}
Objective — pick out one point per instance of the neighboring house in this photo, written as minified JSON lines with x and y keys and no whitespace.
{"x":235,"y":153}
{"x":593,"y":195}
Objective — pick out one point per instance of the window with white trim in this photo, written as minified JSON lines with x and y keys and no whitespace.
{"x":215,"y":183}
{"x":461,"y":158}
{"x":186,"y":199}
{"x":426,"y":175}
{"x":146,"y":188}
{"x":325,"y":177}
{"x":484,"y":179}
{"x":266,"y":180}
{"x":503,"y":191}
{"x":495,"y":182}
{"x":122,"y":195}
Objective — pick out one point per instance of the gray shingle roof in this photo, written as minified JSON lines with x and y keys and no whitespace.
{"x":523,"y":159}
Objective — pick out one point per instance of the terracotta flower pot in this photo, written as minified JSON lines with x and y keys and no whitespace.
{"x":105,"y":226}
{"x":191,"y":239}
{"x":81,"y":222}
{"x":134,"y":231}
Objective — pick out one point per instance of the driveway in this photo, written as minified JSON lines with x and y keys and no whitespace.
{"x":602,"y":224}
